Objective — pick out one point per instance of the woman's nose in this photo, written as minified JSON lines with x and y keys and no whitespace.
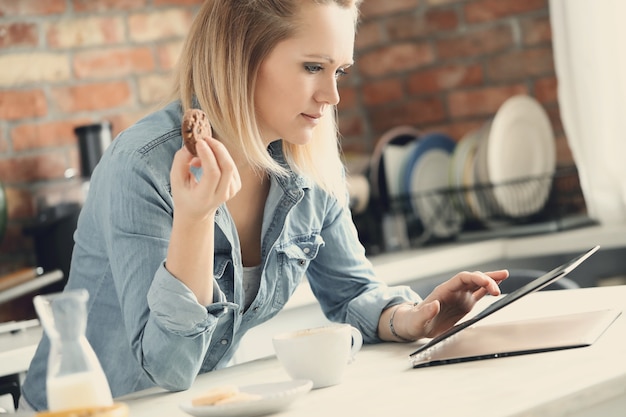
{"x":328,"y":93}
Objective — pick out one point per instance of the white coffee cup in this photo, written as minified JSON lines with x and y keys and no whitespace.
{"x":319,"y":354}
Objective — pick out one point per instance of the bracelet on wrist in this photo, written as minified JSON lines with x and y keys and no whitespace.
{"x":392,"y":328}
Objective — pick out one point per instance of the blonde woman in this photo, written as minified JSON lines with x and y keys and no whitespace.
{"x":183,"y":254}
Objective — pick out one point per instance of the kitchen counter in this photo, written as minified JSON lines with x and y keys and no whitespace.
{"x":407,"y":266}
{"x":17,"y":349}
{"x":579,"y":382}
{"x":417,"y":267}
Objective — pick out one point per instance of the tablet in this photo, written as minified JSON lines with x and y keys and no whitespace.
{"x":417,"y":357}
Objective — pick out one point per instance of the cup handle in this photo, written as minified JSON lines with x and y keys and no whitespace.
{"x":357,"y":343}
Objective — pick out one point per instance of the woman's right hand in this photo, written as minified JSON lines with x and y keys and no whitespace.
{"x":219,"y":182}
{"x":195,"y":205}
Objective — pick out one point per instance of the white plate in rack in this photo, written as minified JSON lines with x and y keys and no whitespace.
{"x":521,"y":156}
{"x":275,"y":397}
{"x":427,"y":183}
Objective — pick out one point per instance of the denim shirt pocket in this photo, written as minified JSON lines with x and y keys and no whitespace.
{"x":294,"y":257}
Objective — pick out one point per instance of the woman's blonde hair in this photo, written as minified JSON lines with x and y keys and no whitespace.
{"x":227,"y":42}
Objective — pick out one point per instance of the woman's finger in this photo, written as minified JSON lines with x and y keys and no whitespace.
{"x":180,"y":166}
{"x":229,"y":182}
{"x":206,"y":155}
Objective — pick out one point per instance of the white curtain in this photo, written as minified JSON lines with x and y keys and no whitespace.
{"x":589,"y":41}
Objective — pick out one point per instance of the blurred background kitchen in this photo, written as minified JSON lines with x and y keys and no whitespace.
{"x":73,"y":70}
{"x":74,"y":73}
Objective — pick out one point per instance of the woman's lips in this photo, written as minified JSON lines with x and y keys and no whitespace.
{"x":313,"y":118}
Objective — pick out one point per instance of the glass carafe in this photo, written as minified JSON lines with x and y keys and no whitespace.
{"x":75,"y":378}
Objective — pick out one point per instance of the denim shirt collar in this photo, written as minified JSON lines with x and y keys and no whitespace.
{"x":293,"y":182}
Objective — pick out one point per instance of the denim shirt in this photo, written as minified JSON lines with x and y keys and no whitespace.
{"x":145,"y":326}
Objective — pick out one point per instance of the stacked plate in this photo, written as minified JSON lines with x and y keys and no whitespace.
{"x":504,"y":170}
{"x":426,"y":182}
{"x":521,"y":156}
{"x":500,"y":172}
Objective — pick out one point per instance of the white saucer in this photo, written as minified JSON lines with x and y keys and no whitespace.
{"x":274,"y":397}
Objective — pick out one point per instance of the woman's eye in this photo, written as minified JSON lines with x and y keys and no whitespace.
{"x":313,"y":68}
{"x":341,"y":72}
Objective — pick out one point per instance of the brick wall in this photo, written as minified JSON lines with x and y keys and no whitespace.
{"x":436,"y":64}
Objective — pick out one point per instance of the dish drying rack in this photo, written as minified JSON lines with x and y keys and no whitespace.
{"x":472,"y":213}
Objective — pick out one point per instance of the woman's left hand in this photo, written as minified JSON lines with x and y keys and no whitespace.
{"x":447,"y":304}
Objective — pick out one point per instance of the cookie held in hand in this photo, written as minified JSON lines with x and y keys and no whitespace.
{"x":195,"y":127}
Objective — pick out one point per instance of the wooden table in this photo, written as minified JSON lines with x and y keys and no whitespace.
{"x":588,"y":381}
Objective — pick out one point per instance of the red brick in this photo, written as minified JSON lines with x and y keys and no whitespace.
{"x":417,"y":112}
{"x":407,"y":26}
{"x":31,"y":7}
{"x":33,"y":67}
{"x":520,"y":64}
{"x":368,"y":34}
{"x":154,"y":88}
{"x":395,"y":58}
{"x":443,"y":2}
{"x":381,"y":92}
{"x":48,"y":166}
{"x":374,"y":8}
{"x":20,"y":203}
{"x":348,"y":96}
{"x":177,"y":2}
{"x":45,"y":135}
{"x":457,"y":130}
{"x":481,"y":102}
{"x":159,"y":24}
{"x":476,"y":43}
{"x":536,"y":31}
{"x":554,"y":114}
{"x":107,"y":5}
{"x":15,"y":105}
{"x":123,"y":120}
{"x":18,"y":35}
{"x":351,"y":125}
{"x":168,"y":53}
{"x":445,"y":78}
{"x":96,"y":96}
{"x":87,"y":31}
{"x":490,"y":10}
{"x":564,"y":155}
{"x":546,"y":90}
{"x":4,"y":145}
{"x":113,"y":62}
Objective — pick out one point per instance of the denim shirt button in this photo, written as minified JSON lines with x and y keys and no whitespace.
{"x":306,"y":250}
{"x":224,"y":341}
